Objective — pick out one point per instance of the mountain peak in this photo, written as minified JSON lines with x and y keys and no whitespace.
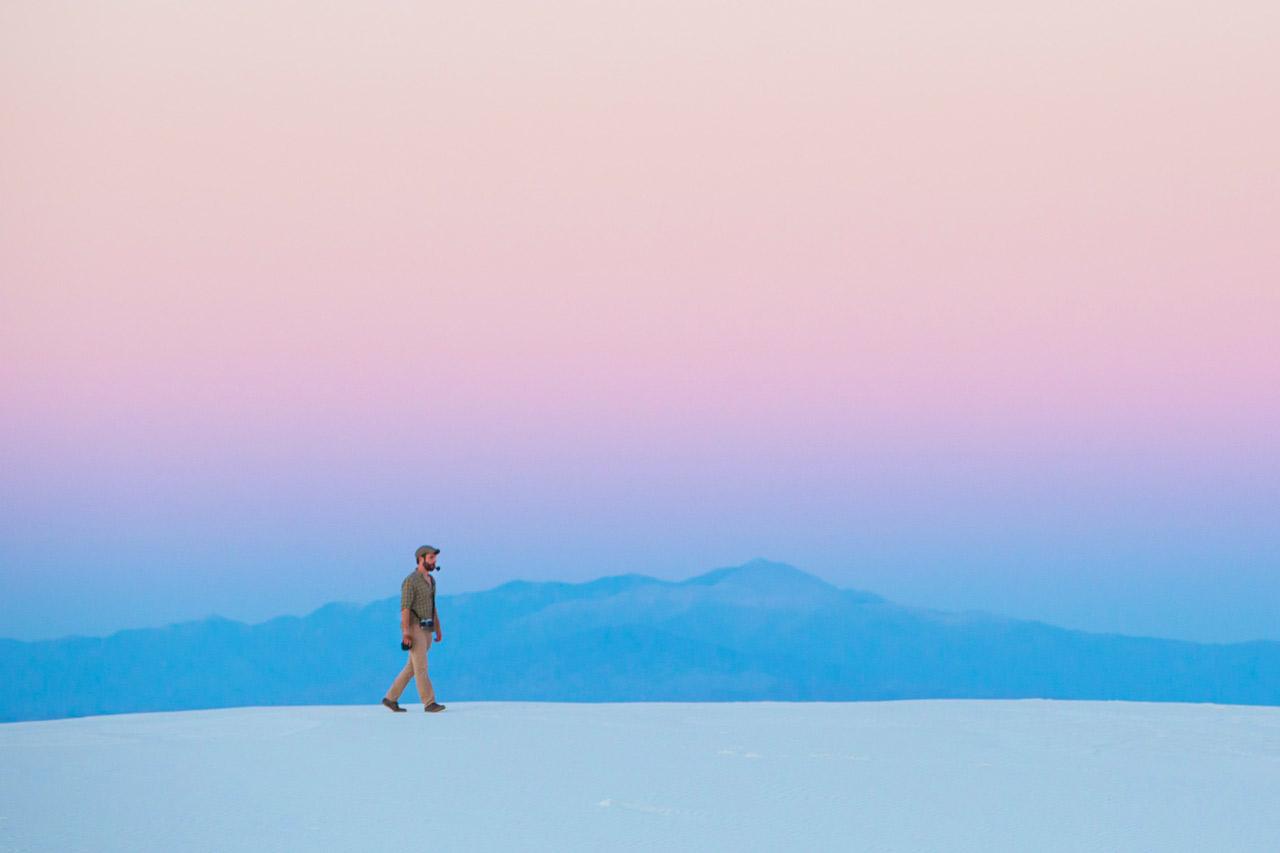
{"x":763,"y":573}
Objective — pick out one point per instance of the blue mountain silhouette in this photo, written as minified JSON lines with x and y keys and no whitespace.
{"x":758,"y":631}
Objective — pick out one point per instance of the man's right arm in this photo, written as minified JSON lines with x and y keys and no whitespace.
{"x":406,"y":615}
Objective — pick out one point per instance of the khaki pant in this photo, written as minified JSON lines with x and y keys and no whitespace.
{"x":416,"y":668}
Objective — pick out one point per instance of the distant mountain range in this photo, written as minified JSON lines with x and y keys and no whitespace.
{"x":761,"y":631}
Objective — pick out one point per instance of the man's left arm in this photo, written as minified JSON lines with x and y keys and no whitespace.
{"x":439,"y":633}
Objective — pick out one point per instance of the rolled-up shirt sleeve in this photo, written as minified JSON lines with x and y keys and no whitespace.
{"x":406,"y":595}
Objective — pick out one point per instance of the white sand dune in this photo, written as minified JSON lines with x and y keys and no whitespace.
{"x":938,"y":775}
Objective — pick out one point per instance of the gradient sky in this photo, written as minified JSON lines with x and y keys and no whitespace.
{"x":976,"y":305}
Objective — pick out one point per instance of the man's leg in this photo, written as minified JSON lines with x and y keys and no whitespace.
{"x":402,"y":680}
{"x":418,"y":660}
{"x":421,"y":639}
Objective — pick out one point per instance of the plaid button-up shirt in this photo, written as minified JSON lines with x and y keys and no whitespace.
{"x":418,"y":596}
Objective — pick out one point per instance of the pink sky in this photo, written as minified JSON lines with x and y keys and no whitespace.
{"x":1031,"y":243}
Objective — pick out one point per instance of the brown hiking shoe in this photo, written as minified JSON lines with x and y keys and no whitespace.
{"x":395,"y":706}
{"x":433,"y":708}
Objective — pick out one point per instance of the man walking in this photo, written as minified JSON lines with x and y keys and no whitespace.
{"x":418,"y":618}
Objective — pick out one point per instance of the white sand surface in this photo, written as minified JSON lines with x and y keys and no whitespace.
{"x":936,"y":775}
